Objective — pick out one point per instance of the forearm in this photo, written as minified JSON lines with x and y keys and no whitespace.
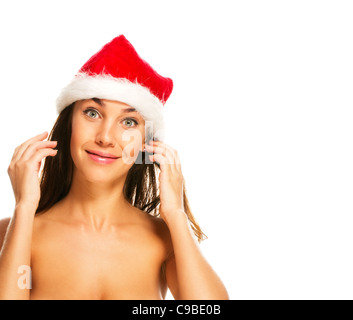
{"x":16,"y":252}
{"x":196,"y":278}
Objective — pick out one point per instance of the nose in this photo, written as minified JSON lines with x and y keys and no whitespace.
{"x":105,"y":135}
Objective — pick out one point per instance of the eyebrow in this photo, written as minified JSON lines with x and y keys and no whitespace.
{"x":129,"y":110}
{"x":102,"y":104}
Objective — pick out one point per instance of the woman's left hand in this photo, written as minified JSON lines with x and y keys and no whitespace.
{"x":171,"y":180}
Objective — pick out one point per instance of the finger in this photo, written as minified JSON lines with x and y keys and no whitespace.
{"x":160,"y":159}
{"x":41,"y":154}
{"x":167,"y":151}
{"x":166,"y":154}
{"x":158,"y":144}
{"x":152,"y":149}
{"x":34,"y":147}
{"x":162,"y":148}
{"x":21,"y":148}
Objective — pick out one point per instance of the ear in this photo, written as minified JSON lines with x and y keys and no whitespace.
{"x":142,"y":149}
{"x":146,"y":141}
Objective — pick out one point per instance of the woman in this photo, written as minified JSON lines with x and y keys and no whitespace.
{"x":110,"y":217}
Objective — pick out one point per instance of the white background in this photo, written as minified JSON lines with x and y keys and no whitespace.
{"x":261,"y":115}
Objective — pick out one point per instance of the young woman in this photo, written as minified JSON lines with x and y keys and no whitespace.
{"x":109,"y":218}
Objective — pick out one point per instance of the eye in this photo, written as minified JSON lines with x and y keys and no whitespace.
{"x":91,"y":113}
{"x":130,"y":122}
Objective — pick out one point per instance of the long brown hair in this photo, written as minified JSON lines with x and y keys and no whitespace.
{"x":141,"y":184}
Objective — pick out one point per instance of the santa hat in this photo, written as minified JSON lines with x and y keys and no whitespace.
{"x":118,"y":73}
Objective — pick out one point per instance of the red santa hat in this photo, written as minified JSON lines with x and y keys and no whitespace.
{"x":118,"y":73}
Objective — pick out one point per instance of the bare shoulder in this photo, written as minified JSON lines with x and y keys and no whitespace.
{"x":155,"y":226}
{"x":4,"y":223}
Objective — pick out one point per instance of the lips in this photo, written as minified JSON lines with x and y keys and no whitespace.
{"x":102,"y":154}
{"x":101,"y":157}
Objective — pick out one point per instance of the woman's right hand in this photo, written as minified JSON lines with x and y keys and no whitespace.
{"x":24,"y":169}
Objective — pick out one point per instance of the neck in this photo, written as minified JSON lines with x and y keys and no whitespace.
{"x":96,"y":204}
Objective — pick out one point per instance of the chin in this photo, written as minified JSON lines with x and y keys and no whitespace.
{"x":103,"y":176}
{"x":96,"y":173}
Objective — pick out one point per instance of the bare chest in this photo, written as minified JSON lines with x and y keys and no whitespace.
{"x":86,"y":266}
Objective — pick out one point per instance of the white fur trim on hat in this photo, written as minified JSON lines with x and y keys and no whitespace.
{"x":85,"y":86}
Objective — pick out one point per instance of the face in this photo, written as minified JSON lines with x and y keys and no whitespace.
{"x":106,"y":138}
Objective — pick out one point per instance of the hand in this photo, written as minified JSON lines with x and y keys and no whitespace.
{"x":24,"y":169}
{"x":171,"y":180}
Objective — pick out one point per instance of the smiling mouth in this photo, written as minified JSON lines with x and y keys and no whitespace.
{"x":100,"y":155}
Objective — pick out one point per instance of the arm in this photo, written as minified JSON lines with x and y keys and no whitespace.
{"x":189,"y":276}
{"x":16,"y":237}
{"x":15,"y":252}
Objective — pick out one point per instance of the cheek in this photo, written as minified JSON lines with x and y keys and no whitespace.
{"x":74,"y":146}
{"x":73,"y":143}
{"x":77,"y":138}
